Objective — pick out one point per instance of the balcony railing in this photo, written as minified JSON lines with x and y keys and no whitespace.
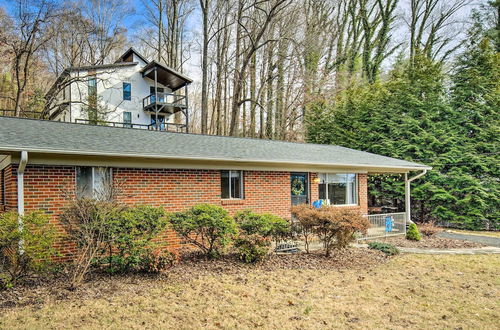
{"x":165,"y":127}
{"x":165,"y":101}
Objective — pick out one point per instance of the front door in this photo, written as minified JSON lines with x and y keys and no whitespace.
{"x":299,"y":188}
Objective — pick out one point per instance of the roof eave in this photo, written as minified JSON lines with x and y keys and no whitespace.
{"x":373,"y":168}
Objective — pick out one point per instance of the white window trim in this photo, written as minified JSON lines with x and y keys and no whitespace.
{"x":242,"y":186}
{"x":347,"y":190}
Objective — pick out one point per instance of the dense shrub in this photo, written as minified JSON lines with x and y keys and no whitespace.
{"x":208,"y":227}
{"x":33,"y":255}
{"x":155,"y":260}
{"x":413,"y":233}
{"x":132,"y":231}
{"x":387,"y":248}
{"x":266,"y":225}
{"x":256,"y":232}
{"x":335,"y":226}
{"x":429,"y":229}
{"x":252,"y":248}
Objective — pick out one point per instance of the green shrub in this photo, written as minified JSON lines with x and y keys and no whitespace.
{"x":387,"y":248}
{"x":252,"y":248}
{"x":265,"y":225}
{"x":413,"y":233}
{"x":35,"y":256}
{"x":155,"y":261}
{"x":208,"y":227}
{"x":132,"y":231}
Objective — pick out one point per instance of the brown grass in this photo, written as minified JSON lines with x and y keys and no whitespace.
{"x":416,"y":291}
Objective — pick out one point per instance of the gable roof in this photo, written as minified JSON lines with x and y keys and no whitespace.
{"x":128,"y":52}
{"x":52,"y":137}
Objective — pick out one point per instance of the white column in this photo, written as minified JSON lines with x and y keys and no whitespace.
{"x":407,"y":201}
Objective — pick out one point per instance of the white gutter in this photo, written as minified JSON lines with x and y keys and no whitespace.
{"x":407,"y":194}
{"x":20,"y":193}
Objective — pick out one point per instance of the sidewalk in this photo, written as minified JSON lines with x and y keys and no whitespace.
{"x":483,"y":250}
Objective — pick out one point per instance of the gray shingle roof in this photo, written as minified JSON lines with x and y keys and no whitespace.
{"x":55,"y":137}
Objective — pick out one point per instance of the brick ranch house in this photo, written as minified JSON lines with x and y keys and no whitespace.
{"x":41,"y":161}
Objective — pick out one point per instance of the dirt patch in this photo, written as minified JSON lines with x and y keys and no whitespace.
{"x":38,"y":292}
{"x":431,"y":242}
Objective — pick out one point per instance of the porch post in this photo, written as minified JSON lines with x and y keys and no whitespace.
{"x":156,"y":99}
{"x":187,"y":108}
{"x":407,"y":201}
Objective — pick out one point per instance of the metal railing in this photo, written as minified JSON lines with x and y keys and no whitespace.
{"x":385,"y":225}
{"x":165,"y":99}
{"x":165,"y":127}
{"x":22,"y":114}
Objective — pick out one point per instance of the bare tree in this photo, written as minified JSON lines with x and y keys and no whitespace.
{"x":25,"y":36}
{"x":268,"y":11}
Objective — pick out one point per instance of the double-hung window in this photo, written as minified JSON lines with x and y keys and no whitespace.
{"x":338,"y":189}
{"x":92,"y":85}
{"x":232,"y":184}
{"x":93,"y":182}
{"x":127,"y":119}
{"x":127,"y":91}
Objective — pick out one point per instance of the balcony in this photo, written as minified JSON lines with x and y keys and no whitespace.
{"x":164,"y":127}
{"x":165,"y":103}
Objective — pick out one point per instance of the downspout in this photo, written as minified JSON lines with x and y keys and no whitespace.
{"x":407,"y":195}
{"x":20,"y":193}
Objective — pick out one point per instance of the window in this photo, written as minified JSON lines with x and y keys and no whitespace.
{"x":231,"y":184}
{"x":338,"y":189}
{"x":160,"y":91}
{"x":161,"y":121}
{"x":127,"y":119}
{"x":93,"y":182}
{"x":127,"y":91}
{"x":92,"y":86}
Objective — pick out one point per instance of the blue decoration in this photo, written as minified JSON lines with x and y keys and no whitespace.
{"x":317,"y":204}
{"x":389,"y":221}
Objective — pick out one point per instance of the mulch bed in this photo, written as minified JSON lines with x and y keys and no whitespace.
{"x":431,"y":242}
{"x":37,"y":292}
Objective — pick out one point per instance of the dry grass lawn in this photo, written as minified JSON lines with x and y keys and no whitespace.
{"x":410,"y":291}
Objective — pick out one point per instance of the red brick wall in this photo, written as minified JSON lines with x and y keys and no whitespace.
{"x":48,"y":188}
{"x":10,"y":182}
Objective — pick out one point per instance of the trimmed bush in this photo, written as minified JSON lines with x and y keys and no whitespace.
{"x":387,"y":248}
{"x":208,"y":227}
{"x":37,"y":236}
{"x":132,"y":231}
{"x":256,"y":230}
{"x":252,"y":248}
{"x":335,"y":226}
{"x":413,"y":233}
{"x":429,"y":229}
{"x":266,"y":225}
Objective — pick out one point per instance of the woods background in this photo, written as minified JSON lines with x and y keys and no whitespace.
{"x":413,"y":79}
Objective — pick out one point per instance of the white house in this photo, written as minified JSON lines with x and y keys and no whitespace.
{"x":126,"y":94}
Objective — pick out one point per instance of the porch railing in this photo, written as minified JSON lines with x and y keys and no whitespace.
{"x":165,"y":99}
{"x":385,"y":225}
{"x":166,"y":127}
